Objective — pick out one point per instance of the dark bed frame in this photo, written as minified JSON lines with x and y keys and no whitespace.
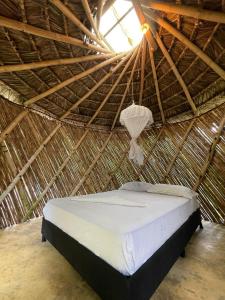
{"x":109,"y":283}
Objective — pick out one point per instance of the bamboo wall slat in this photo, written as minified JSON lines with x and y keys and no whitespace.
{"x":62,"y":167}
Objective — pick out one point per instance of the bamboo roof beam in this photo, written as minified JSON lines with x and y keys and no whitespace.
{"x":195,"y":49}
{"x":127,"y":89}
{"x":20,"y":117}
{"x":113,"y":86}
{"x":151,"y":54}
{"x":88,"y":171}
{"x":178,"y":149}
{"x":176,"y":73}
{"x":186,"y":10}
{"x":92,"y":22}
{"x":52,"y":62}
{"x":210,"y":154}
{"x":72,"y":79}
{"x":20,"y":26}
{"x":141,"y":17}
{"x":99,"y":12}
{"x":72,"y":17}
{"x":143,"y":60}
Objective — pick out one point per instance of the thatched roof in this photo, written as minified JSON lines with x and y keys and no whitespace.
{"x":184,"y":88}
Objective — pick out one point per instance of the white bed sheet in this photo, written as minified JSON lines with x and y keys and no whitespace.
{"x":125,"y":231}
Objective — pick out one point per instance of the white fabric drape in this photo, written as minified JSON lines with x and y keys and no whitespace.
{"x":135,"y":118}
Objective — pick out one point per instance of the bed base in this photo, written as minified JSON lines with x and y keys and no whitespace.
{"x":110,"y":284}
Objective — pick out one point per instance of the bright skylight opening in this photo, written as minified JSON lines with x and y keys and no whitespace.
{"x":120,"y":26}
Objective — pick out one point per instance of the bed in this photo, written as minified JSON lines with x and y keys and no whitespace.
{"x":122,"y":242}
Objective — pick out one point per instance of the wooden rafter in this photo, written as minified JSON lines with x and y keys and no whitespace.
{"x":53,"y":62}
{"x":72,"y":79}
{"x":151,"y":54}
{"x":127,"y":88}
{"x":72,"y":17}
{"x":207,"y":60}
{"x":176,"y":73}
{"x":143,"y":61}
{"x":20,"y":26}
{"x":186,"y":10}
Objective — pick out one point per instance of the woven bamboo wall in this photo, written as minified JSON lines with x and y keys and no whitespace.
{"x":42,"y":159}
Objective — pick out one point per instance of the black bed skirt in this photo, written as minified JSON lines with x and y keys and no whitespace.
{"x":107,"y":281}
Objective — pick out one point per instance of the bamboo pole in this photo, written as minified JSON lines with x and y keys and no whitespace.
{"x":92,"y":22}
{"x":53,"y":62}
{"x":99,"y":12}
{"x":27,"y":165}
{"x":72,"y":17}
{"x":151,"y":54}
{"x":20,"y":26}
{"x":176,"y":73}
{"x":141,"y":17}
{"x":210,"y":154}
{"x":72,"y":79}
{"x":12,"y":125}
{"x":143,"y":59}
{"x":88,"y":171}
{"x":207,"y":60}
{"x":127,"y":88}
{"x":178,"y":149}
{"x":113,"y":87}
{"x":186,"y":10}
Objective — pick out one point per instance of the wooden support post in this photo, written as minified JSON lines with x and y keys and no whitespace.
{"x":72,"y":17}
{"x":176,"y":73}
{"x":53,"y":62}
{"x":178,"y":149}
{"x":20,"y":26}
{"x":186,"y":10}
{"x":210,"y":154}
{"x":88,"y":171}
{"x":207,"y":60}
{"x":151,"y":54}
{"x":72,"y":79}
{"x":143,"y":59}
{"x":127,"y":89}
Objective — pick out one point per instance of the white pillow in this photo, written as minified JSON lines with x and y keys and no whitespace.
{"x":172,"y":190}
{"x":136,"y":186}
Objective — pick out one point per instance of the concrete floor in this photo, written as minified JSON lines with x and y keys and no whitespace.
{"x":33,"y":270}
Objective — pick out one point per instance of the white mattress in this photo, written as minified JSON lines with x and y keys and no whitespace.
{"x":122,"y":227}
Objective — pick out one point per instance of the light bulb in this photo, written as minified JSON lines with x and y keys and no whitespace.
{"x":144,"y":27}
